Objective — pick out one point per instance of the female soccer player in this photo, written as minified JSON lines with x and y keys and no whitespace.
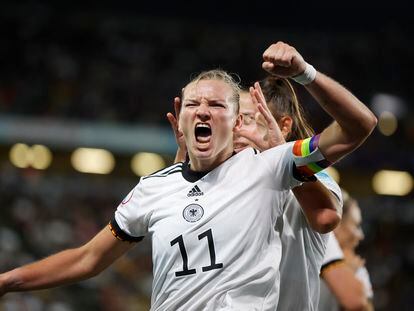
{"x":303,"y":226}
{"x":213,"y":248}
{"x":303,"y":241}
{"x":346,"y":284}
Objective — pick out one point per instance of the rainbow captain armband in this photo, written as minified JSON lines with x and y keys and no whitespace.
{"x":308,"y":159}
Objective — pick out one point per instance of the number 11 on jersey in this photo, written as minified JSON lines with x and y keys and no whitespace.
{"x":213,"y":265}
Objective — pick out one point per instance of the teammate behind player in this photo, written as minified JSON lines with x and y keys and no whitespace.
{"x":346,"y":284}
{"x":303,"y":242}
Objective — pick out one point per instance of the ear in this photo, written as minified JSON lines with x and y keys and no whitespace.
{"x":239,"y":122}
{"x":285,"y":124}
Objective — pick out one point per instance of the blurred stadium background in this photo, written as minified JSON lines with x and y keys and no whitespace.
{"x":83,"y":95}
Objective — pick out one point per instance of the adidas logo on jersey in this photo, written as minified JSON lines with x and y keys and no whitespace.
{"x":195,"y":192}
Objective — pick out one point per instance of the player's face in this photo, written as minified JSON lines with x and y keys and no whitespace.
{"x":208,"y":118}
{"x":350,"y":232}
{"x":253,"y":123}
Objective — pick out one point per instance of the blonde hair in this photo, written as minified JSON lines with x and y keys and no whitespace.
{"x":220,"y":75}
{"x":282,"y":101}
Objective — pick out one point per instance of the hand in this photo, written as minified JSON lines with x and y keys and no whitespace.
{"x":267,"y":133}
{"x":179,"y":136}
{"x":282,"y":60}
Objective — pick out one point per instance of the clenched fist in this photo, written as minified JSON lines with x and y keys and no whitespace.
{"x":282,"y":60}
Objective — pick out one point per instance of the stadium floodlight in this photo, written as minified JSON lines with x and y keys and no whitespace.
{"x":94,"y":161}
{"x":387,"y":182}
{"x":145,"y":163}
{"x":36,"y":156}
{"x":41,"y":157}
{"x":19,"y":155}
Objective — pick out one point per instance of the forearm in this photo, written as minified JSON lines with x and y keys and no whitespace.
{"x":59,"y":269}
{"x":352,"y":115}
{"x":321,"y":208}
{"x":353,"y":120}
{"x":68,"y":266}
{"x":348,"y":290}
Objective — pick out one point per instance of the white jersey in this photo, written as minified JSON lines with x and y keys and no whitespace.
{"x":303,"y":250}
{"x":214,"y":247}
{"x":363,"y":275}
{"x":334,"y":254}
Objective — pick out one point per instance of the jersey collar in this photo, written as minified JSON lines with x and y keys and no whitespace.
{"x":189,"y":174}
{"x":193,"y":176}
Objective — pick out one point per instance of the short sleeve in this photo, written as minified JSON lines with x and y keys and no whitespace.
{"x":363,"y":275}
{"x":330,"y":184}
{"x":333,"y":252}
{"x":131,"y":217}
{"x":280,"y":161}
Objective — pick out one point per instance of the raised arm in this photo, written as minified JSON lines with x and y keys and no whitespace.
{"x":66,"y":267}
{"x":353,"y":123}
{"x":322,"y":209}
{"x":353,"y":120}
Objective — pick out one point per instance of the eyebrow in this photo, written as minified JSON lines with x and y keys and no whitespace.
{"x":211,"y":101}
{"x":218,"y":101}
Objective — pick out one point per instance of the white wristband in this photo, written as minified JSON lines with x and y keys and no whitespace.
{"x":307,"y":76}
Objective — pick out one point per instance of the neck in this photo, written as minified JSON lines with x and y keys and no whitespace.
{"x":208,"y":164}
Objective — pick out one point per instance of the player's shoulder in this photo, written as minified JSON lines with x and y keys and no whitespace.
{"x":252,"y":152}
{"x":165,"y":172}
{"x":244,"y":156}
{"x":279,"y":149}
{"x":248,"y":152}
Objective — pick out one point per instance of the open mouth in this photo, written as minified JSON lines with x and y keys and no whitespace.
{"x":202,"y":132}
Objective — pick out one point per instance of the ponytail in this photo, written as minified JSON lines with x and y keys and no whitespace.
{"x":282,"y":101}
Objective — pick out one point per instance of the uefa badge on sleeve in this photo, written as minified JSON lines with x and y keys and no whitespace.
{"x":128,"y":197}
{"x":193,"y":212}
